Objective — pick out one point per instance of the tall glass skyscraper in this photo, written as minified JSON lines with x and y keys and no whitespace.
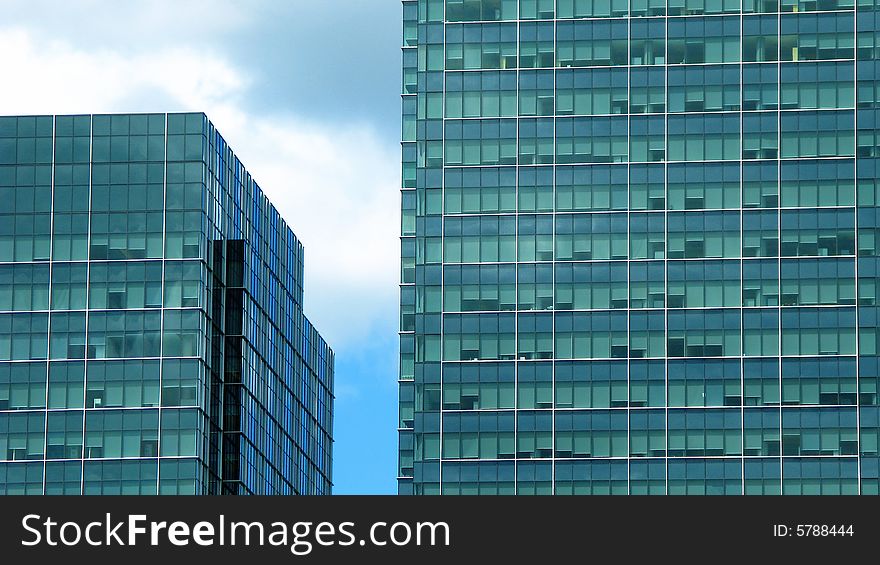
{"x":640,"y":247}
{"x":152,"y":338}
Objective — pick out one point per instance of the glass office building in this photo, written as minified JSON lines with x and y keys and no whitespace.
{"x":152,"y":338}
{"x":640,"y":247}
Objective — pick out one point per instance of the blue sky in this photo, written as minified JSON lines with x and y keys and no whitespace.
{"x":306,"y":93}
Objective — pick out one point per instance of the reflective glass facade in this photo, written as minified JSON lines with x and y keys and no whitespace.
{"x":152,"y":338}
{"x":640,"y":247}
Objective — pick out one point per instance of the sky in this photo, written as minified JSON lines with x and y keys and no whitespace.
{"x":307,"y":95}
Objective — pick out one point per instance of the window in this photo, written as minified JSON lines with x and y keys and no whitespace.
{"x":599,"y":187}
{"x":824,"y":331}
{"x":710,"y":88}
{"x":703,"y":333}
{"x":24,"y":287}
{"x":808,"y":282}
{"x":480,"y":142}
{"x":703,"y":40}
{"x":481,"y":336}
{"x":590,"y":92}
{"x":64,"y":435}
{"x":591,"y":43}
{"x":697,"y":186}
{"x":704,"y":382}
{"x":536,"y":141}
{"x":123,"y":334}
{"x":474,"y":288}
{"x":119,"y":477}
{"x":591,"y":236}
{"x":761,"y":433}
{"x":478,"y":436}
{"x":817,"y":134}
{"x":811,"y":37}
{"x":480,"y":10}
{"x":479,"y":46}
{"x":760,"y":136}
{"x":817,"y":85}
{"x":182,"y":433}
{"x":535,"y":383}
{"x":122,"y":384}
{"x":590,"y":8}
{"x":704,"y":432}
{"x":647,"y":429}
{"x":479,"y":239}
{"x":591,"y":477}
{"x":478,"y":386}
{"x":591,"y":384}
{"x":23,"y":336}
{"x":591,"y":140}
{"x":591,"y":335}
{"x":703,"y":234}
{"x":22,"y":386}
{"x":703,"y":137}
{"x":475,"y":190}
{"x":488,"y":94}
{"x":812,"y":232}
{"x":536,"y":45}
{"x":22,"y":436}
{"x":587,"y":286}
{"x":534,"y":337}
{"x":647,"y":42}
{"x":594,"y":433}
{"x":697,"y":284}
{"x":647,"y":138}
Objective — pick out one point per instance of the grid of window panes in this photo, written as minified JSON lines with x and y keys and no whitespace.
{"x":284,"y":436}
{"x":114,"y":311}
{"x":639,"y":247}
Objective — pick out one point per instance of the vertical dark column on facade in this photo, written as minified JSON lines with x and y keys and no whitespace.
{"x":232,"y":366}
{"x":216,"y":353}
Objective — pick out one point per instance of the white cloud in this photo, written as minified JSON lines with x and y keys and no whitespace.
{"x":133,"y":26}
{"x":336,"y":185}
{"x":51,"y":76}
